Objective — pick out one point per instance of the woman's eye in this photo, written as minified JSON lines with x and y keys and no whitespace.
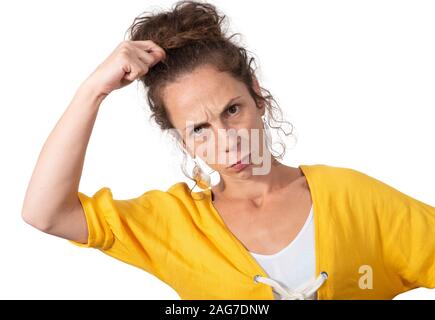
{"x":197,"y":128}
{"x":233,"y":109}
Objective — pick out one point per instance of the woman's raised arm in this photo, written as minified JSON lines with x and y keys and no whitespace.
{"x":51,"y":203}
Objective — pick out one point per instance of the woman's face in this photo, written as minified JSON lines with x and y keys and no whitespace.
{"x":217,"y":119}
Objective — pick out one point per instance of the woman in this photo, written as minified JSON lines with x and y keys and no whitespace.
{"x":266,"y":230}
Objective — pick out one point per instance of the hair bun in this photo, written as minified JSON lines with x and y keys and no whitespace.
{"x":186,"y":22}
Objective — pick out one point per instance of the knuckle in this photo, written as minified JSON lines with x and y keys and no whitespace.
{"x":125,"y":45}
{"x":124,"y":53}
{"x":134,"y":71}
{"x":162,"y":53}
{"x":150,"y":42}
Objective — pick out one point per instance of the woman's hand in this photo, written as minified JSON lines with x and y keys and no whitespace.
{"x":129,"y":61}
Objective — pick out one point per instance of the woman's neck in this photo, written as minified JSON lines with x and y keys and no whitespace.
{"x":255,"y":187}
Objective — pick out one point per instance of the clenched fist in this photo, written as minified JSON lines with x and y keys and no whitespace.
{"x":129,"y":61}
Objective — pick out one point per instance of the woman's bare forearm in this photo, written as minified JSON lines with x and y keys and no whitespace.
{"x":54,"y":183}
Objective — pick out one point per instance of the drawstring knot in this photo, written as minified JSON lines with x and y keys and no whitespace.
{"x":287,"y":294}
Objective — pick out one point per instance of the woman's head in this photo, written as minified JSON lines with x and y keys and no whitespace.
{"x":205,"y":89}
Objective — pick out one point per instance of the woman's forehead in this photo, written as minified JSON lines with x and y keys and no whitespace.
{"x":195,"y":96}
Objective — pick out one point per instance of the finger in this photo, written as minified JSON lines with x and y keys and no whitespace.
{"x":159,"y":55}
{"x":146,"y":58}
{"x":137,"y":70}
{"x":150,"y":47}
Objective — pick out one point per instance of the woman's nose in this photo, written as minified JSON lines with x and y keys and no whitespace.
{"x":227,"y":139}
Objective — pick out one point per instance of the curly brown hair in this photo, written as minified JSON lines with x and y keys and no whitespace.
{"x":192,"y":34}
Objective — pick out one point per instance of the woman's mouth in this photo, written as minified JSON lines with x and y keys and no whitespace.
{"x":238,"y":166}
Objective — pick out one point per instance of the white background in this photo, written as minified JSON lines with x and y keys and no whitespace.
{"x":356,"y":78}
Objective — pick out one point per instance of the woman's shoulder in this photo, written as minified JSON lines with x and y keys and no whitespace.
{"x":178,"y":191}
{"x":341,"y":182}
{"x":332,"y":177}
{"x":182,"y":190}
{"x":329,"y":170}
{"x":337,"y":175}
{"x":354,"y":186}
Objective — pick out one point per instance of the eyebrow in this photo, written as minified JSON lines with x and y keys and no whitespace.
{"x":223,"y":110}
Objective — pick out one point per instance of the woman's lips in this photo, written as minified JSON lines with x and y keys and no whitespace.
{"x":239,"y":165}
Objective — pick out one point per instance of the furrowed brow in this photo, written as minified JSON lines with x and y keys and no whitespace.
{"x":198,"y":124}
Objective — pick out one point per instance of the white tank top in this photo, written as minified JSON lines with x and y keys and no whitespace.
{"x":295,"y":265}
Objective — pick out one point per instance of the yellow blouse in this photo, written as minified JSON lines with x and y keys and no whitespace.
{"x":373,"y":241}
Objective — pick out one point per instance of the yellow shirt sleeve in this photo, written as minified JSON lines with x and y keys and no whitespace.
{"x":408,"y":236}
{"x":100,"y":234}
{"x":130,"y":230}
